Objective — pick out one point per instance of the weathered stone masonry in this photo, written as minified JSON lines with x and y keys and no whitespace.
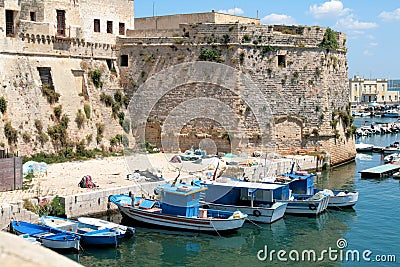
{"x":304,"y":84}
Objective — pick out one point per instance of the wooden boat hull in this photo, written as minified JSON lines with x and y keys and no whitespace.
{"x":90,"y":235}
{"x":124,"y":231}
{"x":341,"y":199}
{"x":156,"y":218}
{"x":306,"y":207}
{"x":255,"y":214}
{"x":50,"y":238}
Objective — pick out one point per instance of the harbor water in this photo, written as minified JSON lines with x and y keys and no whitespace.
{"x":370,"y":230}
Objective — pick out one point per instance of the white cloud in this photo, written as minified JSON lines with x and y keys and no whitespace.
{"x":232,"y":11}
{"x":391,"y":15}
{"x":349,"y":23}
{"x":278,"y":19}
{"x":373,"y":44}
{"x":331,"y":9}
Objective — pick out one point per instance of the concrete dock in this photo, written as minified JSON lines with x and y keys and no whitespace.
{"x":380,"y":171}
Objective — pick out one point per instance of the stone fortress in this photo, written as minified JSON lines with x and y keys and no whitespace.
{"x":51,"y":52}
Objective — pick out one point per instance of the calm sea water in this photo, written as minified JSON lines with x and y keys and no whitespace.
{"x":372,"y":225}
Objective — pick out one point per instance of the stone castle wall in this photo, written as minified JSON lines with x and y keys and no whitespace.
{"x":305,"y":85}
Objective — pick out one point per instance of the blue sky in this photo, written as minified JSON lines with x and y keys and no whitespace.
{"x":372,"y":27}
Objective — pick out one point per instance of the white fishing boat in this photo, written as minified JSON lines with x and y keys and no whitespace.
{"x":340,"y":199}
{"x":122,"y":230}
{"x":178,"y":208}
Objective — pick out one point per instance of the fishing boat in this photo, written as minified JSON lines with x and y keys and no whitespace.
{"x":91,"y":235}
{"x":254,"y":199}
{"x":122,"y":230}
{"x":340,"y":199}
{"x":301,"y":200}
{"x":392,"y":158}
{"x":30,"y":239}
{"x":47,"y":236}
{"x":364,"y":147}
{"x":178,"y":208}
{"x":302,"y":182}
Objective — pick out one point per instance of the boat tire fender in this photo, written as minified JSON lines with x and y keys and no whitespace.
{"x":312,"y":206}
{"x":257,"y":213}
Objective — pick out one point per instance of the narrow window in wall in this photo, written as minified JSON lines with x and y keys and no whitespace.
{"x":124,"y":61}
{"x":45,"y":77}
{"x":32,"y":16}
{"x":9,"y":22}
{"x":96,"y":25}
{"x":121,"y":28}
{"x":282,"y":61}
{"x":61,"y":22}
{"x":109,"y":27}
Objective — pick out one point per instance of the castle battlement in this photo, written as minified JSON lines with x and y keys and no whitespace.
{"x":246,"y":34}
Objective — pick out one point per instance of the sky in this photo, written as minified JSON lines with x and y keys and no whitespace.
{"x":372,"y":27}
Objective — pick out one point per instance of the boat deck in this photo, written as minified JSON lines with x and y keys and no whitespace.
{"x":380,"y":171}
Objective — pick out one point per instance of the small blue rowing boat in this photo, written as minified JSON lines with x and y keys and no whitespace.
{"x":47,"y":236}
{"x":90,"y":235}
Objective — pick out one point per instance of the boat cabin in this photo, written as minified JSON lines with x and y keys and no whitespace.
{"x":301,"y":182}
{"x":241,"y":193}
{"x":180,"y":199}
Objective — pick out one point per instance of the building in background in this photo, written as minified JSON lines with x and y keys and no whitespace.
{"x":364,"y":91}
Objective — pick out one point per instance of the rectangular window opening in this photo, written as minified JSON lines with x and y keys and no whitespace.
{"x":61,"y":22}
{"x":124,"y":61}
{"x":9,"y":22}
{"x":109,"y":27}
{"x":96,"y":25}
{"x":121,"y":28}
{"x":32,"y":16}
{"x":282,"y":61}
{"x":45,"y":77}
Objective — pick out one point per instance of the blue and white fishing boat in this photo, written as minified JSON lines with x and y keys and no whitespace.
{"x":302,"y":183}
{"x":255,"y":199}
{"x":178,"y":208}
{"x":47,"y":236}
{"x":302,"y":200}
{"x":122,"y":230}
{"x":90,"y":235}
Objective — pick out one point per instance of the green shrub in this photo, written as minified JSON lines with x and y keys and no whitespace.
{"x":329,"y":40}
{"x":121,"y":117}
{"x":50,"y":94}
{"x":38,"y":125}
{"x":246,"y":38}
{"x":26,"y":137}
{"x":10,"y":133}
{"x":207,"y":54}
{"x":3,"y":105}
{"x":96,"y":78}
{"x":106,"y":99}
{"x":80,"y":119}
{"x":87,"y":110}
{"x":57,"y":208}
{"x":57,"y":112}
{"x":43,"y":138}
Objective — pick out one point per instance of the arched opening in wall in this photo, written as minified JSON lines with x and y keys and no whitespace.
{"x":288,"y":134}
{"x":190,"y":113}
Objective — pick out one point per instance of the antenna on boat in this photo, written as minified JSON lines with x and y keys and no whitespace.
{"x":215,"y":172}
{"x":176,"y":178}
